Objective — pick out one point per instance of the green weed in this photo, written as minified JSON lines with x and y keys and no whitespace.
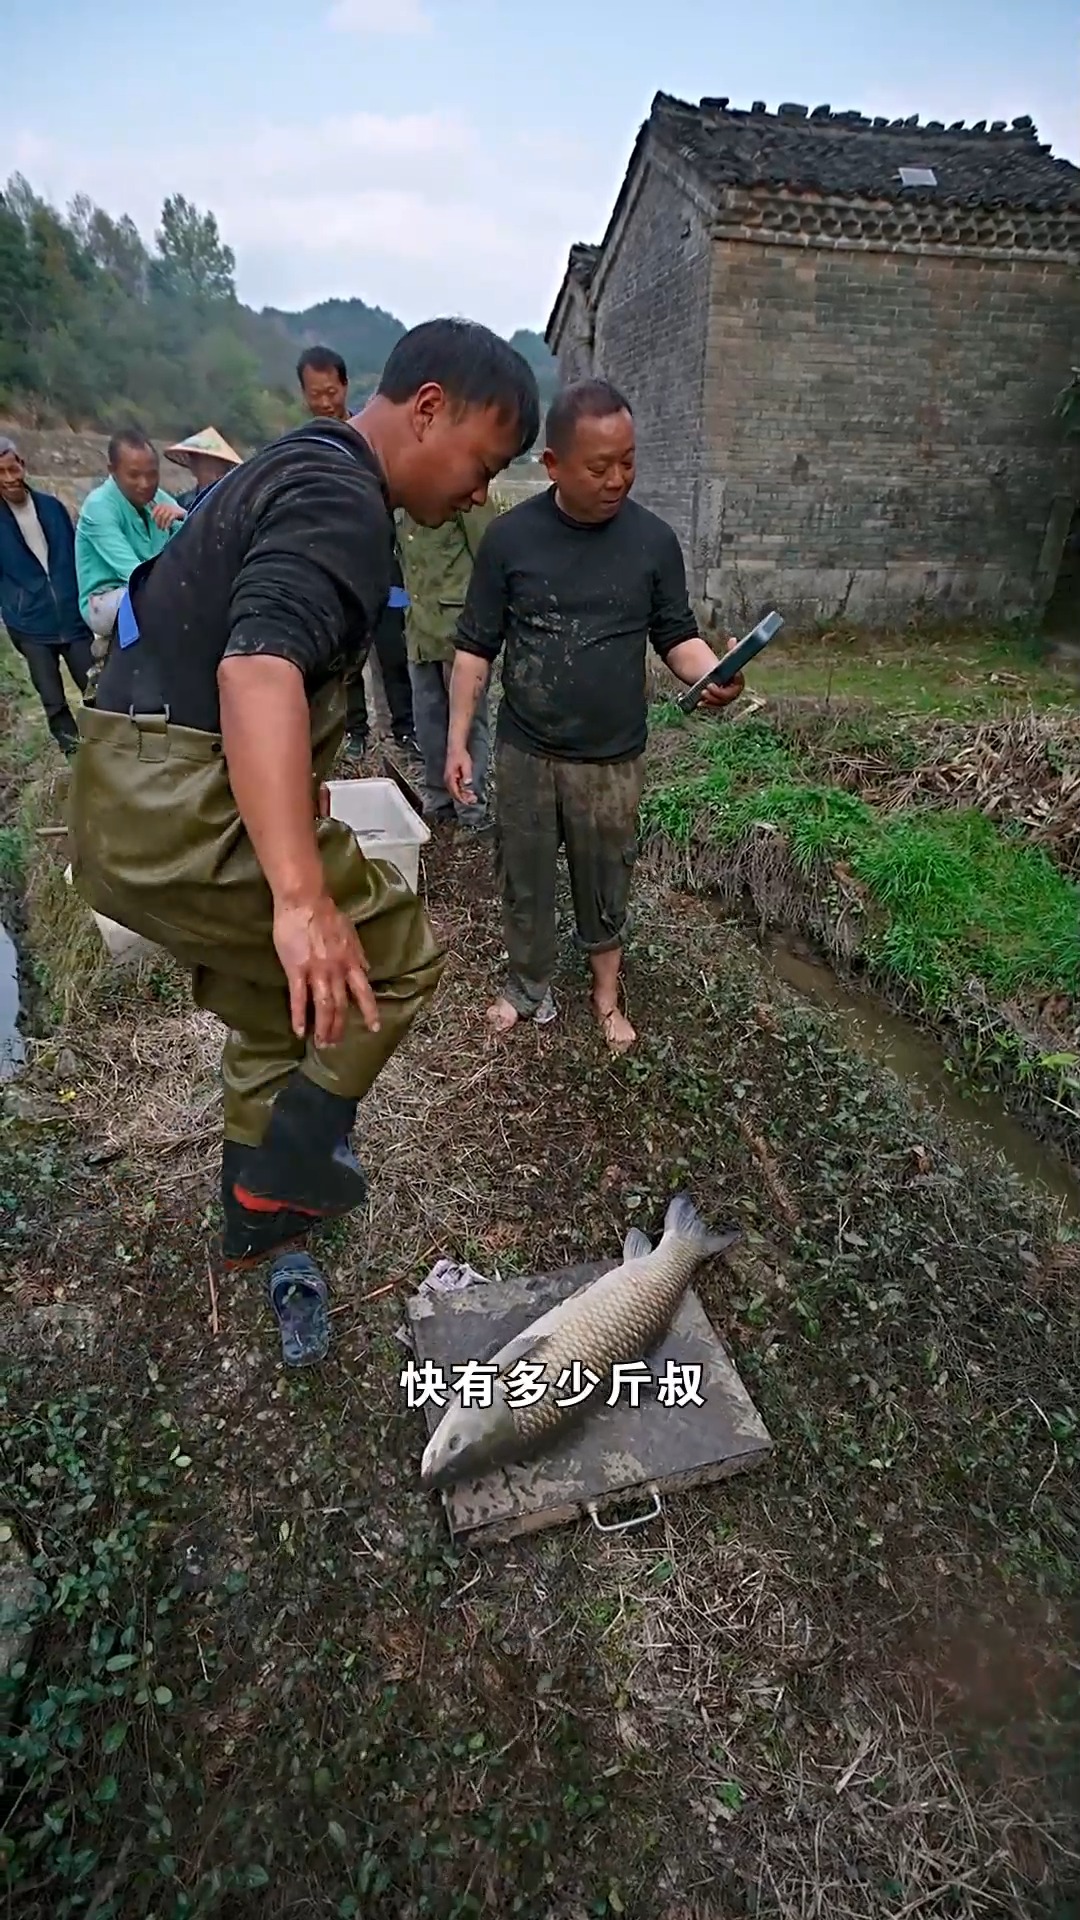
{"x":83,"y":1729}
{"x":12,"y":857}
{"x":958,"y":896}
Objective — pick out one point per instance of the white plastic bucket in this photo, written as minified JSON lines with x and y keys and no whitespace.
{"x":385,"y":825}
{"x":123,"y":946}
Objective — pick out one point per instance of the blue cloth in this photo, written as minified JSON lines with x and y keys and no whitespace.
{"x":44,"y":607}
{"x":127,"y":627}
{"x":398,"y":597}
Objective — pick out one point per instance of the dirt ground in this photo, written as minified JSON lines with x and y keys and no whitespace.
{"x":840,"y":1687}
{"x":844,"y":1685}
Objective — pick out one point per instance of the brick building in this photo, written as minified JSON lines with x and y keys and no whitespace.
{"x":842,"y":340}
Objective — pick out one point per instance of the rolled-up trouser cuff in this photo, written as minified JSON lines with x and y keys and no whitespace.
{"x":525,"y":996}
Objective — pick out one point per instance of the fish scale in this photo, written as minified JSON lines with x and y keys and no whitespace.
{"x":621,"y":1323}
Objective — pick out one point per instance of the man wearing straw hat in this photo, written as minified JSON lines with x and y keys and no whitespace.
{"x":206,"y":455}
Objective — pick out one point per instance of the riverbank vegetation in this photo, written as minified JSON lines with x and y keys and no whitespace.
{"x":938,"y":852}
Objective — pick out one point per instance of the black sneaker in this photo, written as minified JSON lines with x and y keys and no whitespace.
{"x":408,"y":743}
{"x":356,"y":745}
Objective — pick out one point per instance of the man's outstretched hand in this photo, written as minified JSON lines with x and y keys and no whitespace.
{"x":166,"y":514}
{"x":320,"y":950}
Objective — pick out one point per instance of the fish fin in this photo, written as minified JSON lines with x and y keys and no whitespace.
{"x":683,"y":1219}
{"x":517,"y":1348}
{"x":636,"y":1245}
{"x":528,"y":1337}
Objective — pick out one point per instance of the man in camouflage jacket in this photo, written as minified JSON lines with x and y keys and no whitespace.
{"x":437,"y":563}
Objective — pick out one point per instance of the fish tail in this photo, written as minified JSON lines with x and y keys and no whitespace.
{"x":683,"y":1220}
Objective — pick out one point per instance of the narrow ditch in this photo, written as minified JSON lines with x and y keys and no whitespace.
{"x":867,"y":1024}
{"x":12,"y":1047}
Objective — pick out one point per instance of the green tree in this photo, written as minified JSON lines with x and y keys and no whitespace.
{"x":114,"y":245}
{"x":15,"y":296}
{"x":97,"y":329}
{"x":193,"y":262}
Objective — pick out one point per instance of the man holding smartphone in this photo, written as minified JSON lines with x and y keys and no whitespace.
{"x":576,"y":582}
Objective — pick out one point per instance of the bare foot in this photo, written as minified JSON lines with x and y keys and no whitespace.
{"x":616,"y":1028}
{"x":501,"y":1016}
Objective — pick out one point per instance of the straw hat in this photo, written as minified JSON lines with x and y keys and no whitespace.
{"x":210,"y":442}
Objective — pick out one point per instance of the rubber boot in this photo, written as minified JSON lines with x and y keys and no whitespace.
{"x":254,"y":1235}
{"x":304,"y":1171}
{"x":305,"y":1160}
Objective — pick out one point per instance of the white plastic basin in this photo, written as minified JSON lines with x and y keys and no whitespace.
{"x":385,"y":825}
{"x":124,"y":946}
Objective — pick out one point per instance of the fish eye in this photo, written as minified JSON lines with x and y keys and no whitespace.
{"x":455,"y":1442}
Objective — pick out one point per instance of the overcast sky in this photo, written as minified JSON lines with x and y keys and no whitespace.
{"x":441,"y":155}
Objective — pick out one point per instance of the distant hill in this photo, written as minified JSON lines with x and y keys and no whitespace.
{"x":532,"y":348}
{"x":364,"y":335}
{"x":100,"y":328}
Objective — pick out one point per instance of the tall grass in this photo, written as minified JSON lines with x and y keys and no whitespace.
{"x":957,"y":896}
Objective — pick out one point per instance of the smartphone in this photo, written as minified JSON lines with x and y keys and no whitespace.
{"x":733,"y":662}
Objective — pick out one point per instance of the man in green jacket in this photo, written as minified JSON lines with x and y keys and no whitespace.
{"x":436,"y":564}
{"x":128,"y":519}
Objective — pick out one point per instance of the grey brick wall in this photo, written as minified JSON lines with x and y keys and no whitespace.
{"x":575,"y":350}
{"x":879,"y":430}
{"x":651,"y":328}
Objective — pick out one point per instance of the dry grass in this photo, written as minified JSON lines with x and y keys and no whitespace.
{"x":722,"y":1642}
{"x":1023,"y":772}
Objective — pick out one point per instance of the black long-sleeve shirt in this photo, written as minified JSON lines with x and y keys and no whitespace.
{"x":575,"y":606}
{"x":289,"y":555}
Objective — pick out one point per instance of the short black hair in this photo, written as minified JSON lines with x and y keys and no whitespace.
{"x":476,"y":367}
{"x":581,"y":400}
{"x":322,"y":360}
{"x":128,"y":437}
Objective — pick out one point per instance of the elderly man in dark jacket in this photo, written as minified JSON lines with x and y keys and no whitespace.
{"x":39,"y":597}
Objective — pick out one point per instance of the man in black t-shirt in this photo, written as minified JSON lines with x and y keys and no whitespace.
{"x":575,"y":583}
{"x":197,"y":784}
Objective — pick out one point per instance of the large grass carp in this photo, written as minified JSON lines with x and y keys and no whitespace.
{"x":615,"y":1320}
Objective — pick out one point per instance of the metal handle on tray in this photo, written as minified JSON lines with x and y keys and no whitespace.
{"x":623,"y":1526}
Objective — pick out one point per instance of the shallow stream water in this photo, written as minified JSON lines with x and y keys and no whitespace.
{"x":871,"y":1028}
{"x":12,"y":1051}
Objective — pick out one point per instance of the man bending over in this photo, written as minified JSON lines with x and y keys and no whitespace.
{"x":196,"y":787}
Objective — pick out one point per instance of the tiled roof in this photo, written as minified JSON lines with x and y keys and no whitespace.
{"x":582,"y":263}
{"x":817,"y":150}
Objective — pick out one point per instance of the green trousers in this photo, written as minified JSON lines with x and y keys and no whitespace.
{"x":160,"y":847}
{"x":591,"y":810}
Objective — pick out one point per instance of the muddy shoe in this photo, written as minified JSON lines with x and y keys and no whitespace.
{"x":250,"y":1236}
{"x":298,"y":1296}
{"x":407,"y":742}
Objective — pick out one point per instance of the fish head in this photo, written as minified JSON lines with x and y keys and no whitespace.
{"x":460,"y":1447}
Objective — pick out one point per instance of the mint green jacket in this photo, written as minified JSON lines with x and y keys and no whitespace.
{"x":112,"y":538}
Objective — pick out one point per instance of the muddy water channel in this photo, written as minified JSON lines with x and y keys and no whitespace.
{"x":868,"y":1025}
{"x":12,"y":1053}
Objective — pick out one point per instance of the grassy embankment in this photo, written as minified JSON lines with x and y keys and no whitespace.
{"x":843,"y":1688}
{"x":916,"y":820}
